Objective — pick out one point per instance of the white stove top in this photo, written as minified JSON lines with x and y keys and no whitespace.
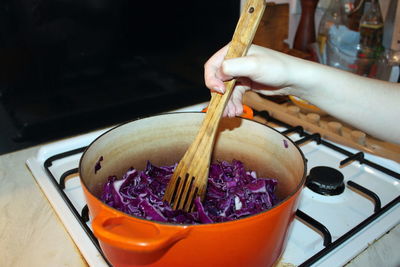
{"x":353,"y":219}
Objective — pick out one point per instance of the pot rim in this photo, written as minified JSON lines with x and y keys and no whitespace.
{"x":250,"y":217}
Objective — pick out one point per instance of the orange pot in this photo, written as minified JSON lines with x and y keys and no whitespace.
{"x":257,"y":240}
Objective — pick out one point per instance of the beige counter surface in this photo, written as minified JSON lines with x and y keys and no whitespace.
{"x":31,"y":234}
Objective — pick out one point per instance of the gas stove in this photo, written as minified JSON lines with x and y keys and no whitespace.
{"x":331,"y":227}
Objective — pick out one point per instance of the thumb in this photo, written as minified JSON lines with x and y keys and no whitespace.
{"x":240,"y":67}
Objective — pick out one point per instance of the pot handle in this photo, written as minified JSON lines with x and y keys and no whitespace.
{"x":139,"y":236}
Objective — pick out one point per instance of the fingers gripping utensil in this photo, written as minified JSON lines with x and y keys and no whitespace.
{"x":189,"y":179}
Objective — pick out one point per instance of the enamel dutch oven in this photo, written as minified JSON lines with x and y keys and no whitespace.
{"x":127,"y":240}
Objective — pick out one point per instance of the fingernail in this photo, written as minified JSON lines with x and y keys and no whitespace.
{"x":218,"y":89}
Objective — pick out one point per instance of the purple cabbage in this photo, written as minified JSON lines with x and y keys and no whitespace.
{"x":232,"y":193}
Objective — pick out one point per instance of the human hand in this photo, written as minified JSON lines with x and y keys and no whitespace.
{"x":262,"y":70}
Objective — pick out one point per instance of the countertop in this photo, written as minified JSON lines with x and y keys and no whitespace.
{"x":32,"y":235}
{"x":30,"y":232}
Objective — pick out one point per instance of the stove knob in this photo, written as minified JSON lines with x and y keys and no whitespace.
{"x":325,"y":181}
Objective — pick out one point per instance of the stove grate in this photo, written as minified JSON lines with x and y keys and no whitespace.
{"x":83,"y":216}
{"x":331,"y":246}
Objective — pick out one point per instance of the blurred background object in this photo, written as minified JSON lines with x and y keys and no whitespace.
{"x":331,"y":17}
{"x":70,"y":66}
{"x":305,"y":34}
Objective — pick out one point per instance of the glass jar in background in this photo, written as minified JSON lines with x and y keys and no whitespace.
{"x":341,"y":48}
{"x":386,"y":66}
{"x":370,"y":48}
{"x":361,"y":51}
{"x":356,"y":10}
{"x":347,"y":8}
{"x":331,"y":17}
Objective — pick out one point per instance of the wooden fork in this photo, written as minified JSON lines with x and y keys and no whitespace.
{"x":189,"y":179}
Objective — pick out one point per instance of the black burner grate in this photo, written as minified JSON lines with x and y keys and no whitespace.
{"x":83,"y":216}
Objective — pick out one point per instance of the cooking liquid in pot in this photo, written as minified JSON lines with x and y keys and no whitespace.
{"x":232,"y":193}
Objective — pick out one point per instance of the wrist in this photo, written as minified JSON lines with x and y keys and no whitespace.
{"x":307,"y":77}
{"x":299,"y":79}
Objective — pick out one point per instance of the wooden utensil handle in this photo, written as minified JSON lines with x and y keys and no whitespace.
{"x":242,"y":38}
{"x":246,"y":28}
{"x":190,"y":176}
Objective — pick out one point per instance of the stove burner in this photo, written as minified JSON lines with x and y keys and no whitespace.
{"x":325,"y":181}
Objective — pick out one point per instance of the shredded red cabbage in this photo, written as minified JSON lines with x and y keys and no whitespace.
{"x":232,"y":193}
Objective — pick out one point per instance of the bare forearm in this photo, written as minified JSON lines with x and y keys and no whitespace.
{"x":368,"y":104}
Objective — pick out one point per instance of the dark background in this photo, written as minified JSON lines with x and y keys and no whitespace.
{"x":69,"y":66}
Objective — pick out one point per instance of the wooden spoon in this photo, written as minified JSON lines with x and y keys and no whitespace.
{"x":189,"y":179}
